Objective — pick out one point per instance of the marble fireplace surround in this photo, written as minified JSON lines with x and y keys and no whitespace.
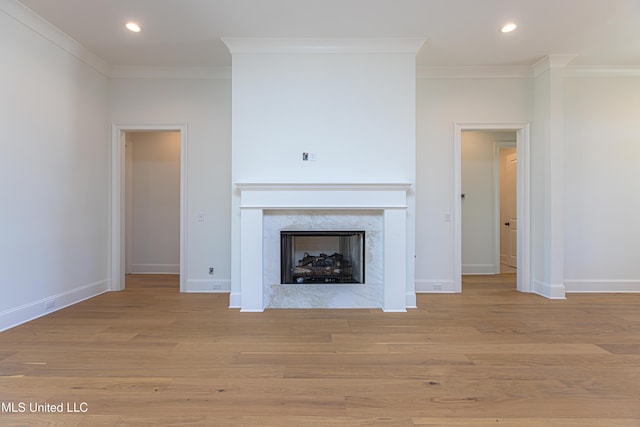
{"x":260,"y":201}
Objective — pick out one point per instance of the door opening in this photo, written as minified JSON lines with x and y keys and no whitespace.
{"x":152,"y":202}
{"x":477,"y":211}
{"x":136,"y":245}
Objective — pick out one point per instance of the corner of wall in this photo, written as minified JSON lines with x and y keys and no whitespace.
{"x":549,"y":290}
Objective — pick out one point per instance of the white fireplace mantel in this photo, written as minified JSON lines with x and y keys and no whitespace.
{"x":323,"y":196}
{"x":389,"y":198}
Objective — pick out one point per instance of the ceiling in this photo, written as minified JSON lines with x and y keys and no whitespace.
{"x":187,"y":33}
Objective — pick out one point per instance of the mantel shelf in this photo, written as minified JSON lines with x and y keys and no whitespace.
{"x":293,"y":186}
{"x":280,"y":195}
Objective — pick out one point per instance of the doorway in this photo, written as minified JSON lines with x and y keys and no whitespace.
{"x":152,"y":202}
{"x":483,"y":185}
{"x":123,"y":257}
{"x":489,"y":236}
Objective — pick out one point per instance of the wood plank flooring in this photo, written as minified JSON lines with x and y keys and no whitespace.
{"x":150,"y":356}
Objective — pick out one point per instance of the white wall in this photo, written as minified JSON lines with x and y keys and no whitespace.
{"x":154,"y":230}
{"x":602,"y":137}
{"x":441,"y":103}
{"x":355,"y":111}
{"x":479,"y":179}
{"x":53,"y":174}
{"x":205,"y":106}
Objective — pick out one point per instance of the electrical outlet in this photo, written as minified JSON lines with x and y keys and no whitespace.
{"x":437,"y":286}
{"x":216,"y":287}
{"x":49,"y":305}
{"x":211,"y":270}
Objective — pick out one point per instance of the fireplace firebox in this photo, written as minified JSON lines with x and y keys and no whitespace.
{"x":322,"y":257}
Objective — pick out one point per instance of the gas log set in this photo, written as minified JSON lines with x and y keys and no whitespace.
{"x":304,"y":257}
{"x":323,"y":268}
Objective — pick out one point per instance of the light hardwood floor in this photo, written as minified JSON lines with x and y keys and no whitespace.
{"x":150,"y":356}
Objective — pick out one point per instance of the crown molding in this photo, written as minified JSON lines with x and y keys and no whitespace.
{"x":36,"y":23}
{"x":474,"y":72}
{"x":195,"y":73}
{"x":552,"y":61}
{"x":612,"y":71}
{"x":323,"y":45}
{"x":523,"y":72}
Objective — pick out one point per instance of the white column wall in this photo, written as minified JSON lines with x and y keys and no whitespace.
{"x":354,"y":111}
{"x":548,"y":173}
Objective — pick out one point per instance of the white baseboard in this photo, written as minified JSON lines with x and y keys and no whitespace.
{"x":548,"y":290}
{"x":30,"y":311}
{"x":602,"y":286}
{"x":411,"y":300}
{"x":435,"y":286}
{"x":207,"y":286}
{"x":480,"y":269}
{"x":155,"y":268}
{"x":234,"y":300}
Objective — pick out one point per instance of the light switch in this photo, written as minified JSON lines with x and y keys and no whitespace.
{"x":200,"y":216}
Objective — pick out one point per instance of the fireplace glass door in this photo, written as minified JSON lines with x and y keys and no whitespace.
{"x":322,"y":257}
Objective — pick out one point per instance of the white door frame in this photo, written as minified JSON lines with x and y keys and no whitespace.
{"x":117,"y":241}
{"x":523,"y":199}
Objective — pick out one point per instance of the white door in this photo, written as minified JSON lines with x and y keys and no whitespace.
{"x":511,"y":223}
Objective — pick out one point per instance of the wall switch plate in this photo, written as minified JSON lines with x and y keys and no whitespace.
{"x":211,"y":270}
{"x":200,"y":216}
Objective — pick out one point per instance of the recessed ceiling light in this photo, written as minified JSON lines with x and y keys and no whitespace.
{"x":132,"y":26}
{"x":507,"y":28}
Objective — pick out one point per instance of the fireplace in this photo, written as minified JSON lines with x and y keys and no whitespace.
{"x":322,"y":257}
{"x":267,"y":209}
